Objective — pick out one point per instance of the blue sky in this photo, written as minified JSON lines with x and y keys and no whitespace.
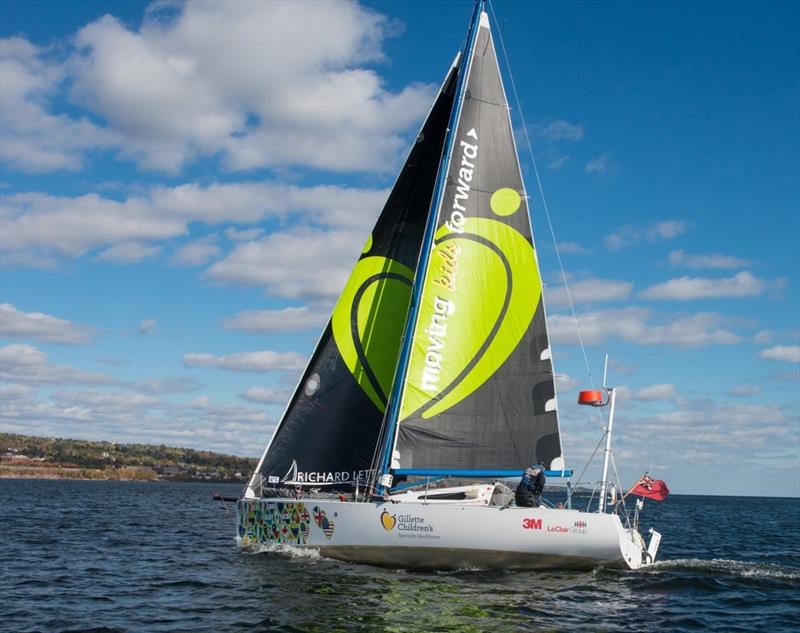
{"x":186,"y":187}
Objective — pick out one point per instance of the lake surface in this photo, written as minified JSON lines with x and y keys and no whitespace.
{"x":125,"y":556}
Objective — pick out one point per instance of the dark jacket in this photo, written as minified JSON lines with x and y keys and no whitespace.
{"x":529,"y":489}
{"x":537,"y":485}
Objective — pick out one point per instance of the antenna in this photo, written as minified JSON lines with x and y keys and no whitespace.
{"x":605,"y":372}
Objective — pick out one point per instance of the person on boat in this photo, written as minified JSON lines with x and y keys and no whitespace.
{"x":530,"y":488}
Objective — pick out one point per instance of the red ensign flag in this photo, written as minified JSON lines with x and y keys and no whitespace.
{"x":654,"y":489}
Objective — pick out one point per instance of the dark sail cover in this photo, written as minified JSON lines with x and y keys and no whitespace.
{"x":330,"y":429}
{"x":478,"y":393}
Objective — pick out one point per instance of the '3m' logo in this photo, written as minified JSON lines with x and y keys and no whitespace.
{"x":532,"y":524}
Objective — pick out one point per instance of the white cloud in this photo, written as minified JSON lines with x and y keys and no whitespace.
{"x":298,"y":93}
{"x":720,"y":417}
{"x":634,"y":326}
{"x":743,"y":284}
{"x":325,"y":261}
{"x":734,"y":432}
{"x":128,"y":253}
{"x":181,"y":384}
{"x":566,"y":383}
{"x":197,"y":252}
{"x":665,"y":230}
{"x":26,"y":364}
{"x":34,"y":223}
{"x":615,"y":365}
{"x":261,"y":361}
{"x":33,"y":139}
{"x":743,"y":391}
{"x":679,"y":259}
{"x":39,"y":326}
{"x":723,"y":432}
{"x":557,"y":162}
{"x":43,"y":225}
{"x":630,"y":235}
{"x":560,"y":131}
{"x":787,"y":353}
{"x":572,"y":247}
{"x":764,"y":336}
{"x":590,"y":290}
{"x":147,"y":326}
{"x":599,"y":165}
{"x":285,"y":320}
{"x":13,"y":391}
{"x":266,"y":395}
{"x":656,"y":392}
{"x":246,"y":235}
{"x":250,"y":202}
{"x":138,"y":416}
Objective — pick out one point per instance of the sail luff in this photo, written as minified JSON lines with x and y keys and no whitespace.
{"x":393,"y":407}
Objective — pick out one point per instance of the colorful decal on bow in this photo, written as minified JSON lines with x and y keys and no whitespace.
{"x":323,"y":522}
{"x":268,"y":522}
{"x":481,"y":291}
{"x":388,"y":521}
{"x":368,"y":321}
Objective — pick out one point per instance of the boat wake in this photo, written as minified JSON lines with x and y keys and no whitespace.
{"x":743,"y":569}
{"x":284,"y":549}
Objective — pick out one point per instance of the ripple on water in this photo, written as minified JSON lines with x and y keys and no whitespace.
{"x":110,"y":556}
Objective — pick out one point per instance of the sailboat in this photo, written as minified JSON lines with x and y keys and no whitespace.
{"x":436,"y":365}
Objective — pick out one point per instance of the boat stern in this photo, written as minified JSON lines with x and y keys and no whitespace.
{"x":635,"y":552}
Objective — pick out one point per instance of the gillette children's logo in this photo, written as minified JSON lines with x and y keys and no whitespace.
{"x":407,"y":525}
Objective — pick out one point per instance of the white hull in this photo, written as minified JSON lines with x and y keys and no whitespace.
{"x":442,"y":536}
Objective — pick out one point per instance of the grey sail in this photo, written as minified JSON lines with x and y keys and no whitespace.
{"x":477,"y":395}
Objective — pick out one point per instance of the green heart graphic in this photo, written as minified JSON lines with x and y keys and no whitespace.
{"x":368,"y":321}
{"x":481,"y":291}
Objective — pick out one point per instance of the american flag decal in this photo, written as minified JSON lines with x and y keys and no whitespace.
{"x":323,"y":522}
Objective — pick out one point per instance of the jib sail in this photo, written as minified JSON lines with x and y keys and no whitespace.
{"x":329,"y":431}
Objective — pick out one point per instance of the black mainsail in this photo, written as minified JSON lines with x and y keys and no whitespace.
{"x":329,"y":431}
{"x":439,"y":337}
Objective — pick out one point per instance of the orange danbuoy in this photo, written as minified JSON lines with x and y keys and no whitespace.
{"x":593,"y":398}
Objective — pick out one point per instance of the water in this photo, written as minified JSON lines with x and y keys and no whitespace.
{"x":124,"y":556}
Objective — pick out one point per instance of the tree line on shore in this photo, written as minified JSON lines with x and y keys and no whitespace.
{"x":26,"y":455}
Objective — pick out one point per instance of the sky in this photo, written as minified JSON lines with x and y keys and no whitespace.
{"x":185,"y":188}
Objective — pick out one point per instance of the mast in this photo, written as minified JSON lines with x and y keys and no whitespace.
{"x":612,"y":398}
{"x":594,"y":398}
{"x":393,"y":410}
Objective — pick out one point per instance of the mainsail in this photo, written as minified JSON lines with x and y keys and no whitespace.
{"x":329,"y":431}
{"x":476,"y":392}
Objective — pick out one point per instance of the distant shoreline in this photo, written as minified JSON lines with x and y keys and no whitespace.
{"x":80,"y":474}
{"x":32,"y":457}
